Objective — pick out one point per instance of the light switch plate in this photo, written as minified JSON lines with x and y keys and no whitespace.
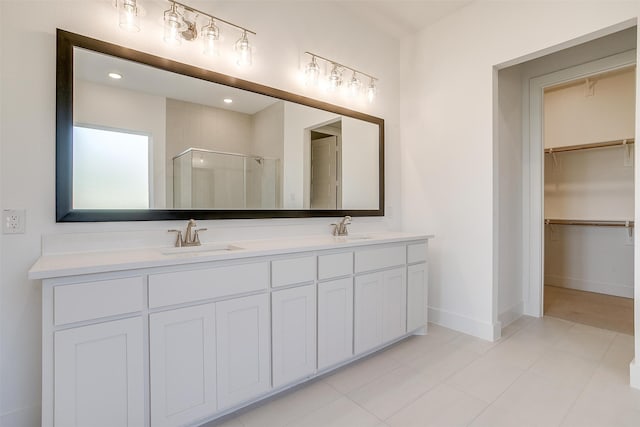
{"x":13,"y":221}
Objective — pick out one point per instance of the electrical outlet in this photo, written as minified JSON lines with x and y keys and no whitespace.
{"x":13,"y":221}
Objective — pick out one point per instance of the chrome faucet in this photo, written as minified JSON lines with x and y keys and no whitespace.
{"x":191,"y":237}
{"x":340,"y":229}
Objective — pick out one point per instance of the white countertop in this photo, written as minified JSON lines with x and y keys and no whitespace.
{"x":71,"y":264}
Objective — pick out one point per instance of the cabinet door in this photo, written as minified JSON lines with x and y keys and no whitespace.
{"x":293,"y":314}
{"x":182,"y":365}
{"x":368,"y":312}
{"x":417,"y":292}
{"x":335,"y":322}
{"x":242,"y":348}
{"x":99,"y":375}
{"x":394,"y":304}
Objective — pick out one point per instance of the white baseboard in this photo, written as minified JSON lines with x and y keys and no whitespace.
{"x":25,"y":417}
{"x":485,"y":330}
{"x":634,"y":374}
{"x":587,"y":285}
{"x":511,"y":314}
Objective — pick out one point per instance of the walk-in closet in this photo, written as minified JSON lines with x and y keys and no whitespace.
{"x":589,"y":142}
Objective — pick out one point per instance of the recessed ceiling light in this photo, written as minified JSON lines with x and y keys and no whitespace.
{"x":115,"y":76}
{"x":228,"y":100}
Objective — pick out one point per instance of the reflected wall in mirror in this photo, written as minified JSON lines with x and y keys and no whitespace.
{"x":166,"y":140}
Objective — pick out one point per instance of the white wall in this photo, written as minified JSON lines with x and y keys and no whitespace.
{"x":447,"y":133}
{"x":27,"y":172}
{"x":107,"y":106}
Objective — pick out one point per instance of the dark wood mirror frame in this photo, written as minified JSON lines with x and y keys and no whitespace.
{"x":66,"y":41}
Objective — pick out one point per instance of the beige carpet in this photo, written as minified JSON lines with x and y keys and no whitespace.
{"x":589,"y":308}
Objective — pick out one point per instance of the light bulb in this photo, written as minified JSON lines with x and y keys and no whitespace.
{"x":312,"y":72}
{"x":210,"y":38}
{"x":172,"y":26}
{"x":354,"y":85}
{"x":335,"y":78}
{"x":371,"y":91}
{"x":243,"y":50}
{"x":128,"y":15}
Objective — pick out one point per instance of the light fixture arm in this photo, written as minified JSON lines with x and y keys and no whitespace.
{"x":194,"y":10}
{"x":337,"y":64}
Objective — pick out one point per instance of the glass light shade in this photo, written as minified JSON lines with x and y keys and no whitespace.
{"x":312,"y":72}
{"x":128,"y":15}
{"x":354,"y":85}
{"x":371,"y":91}
{"x":243,"y":51}
{"x":335,"y":78}
{"x":210,"y":38}
{"x":172,"y":26}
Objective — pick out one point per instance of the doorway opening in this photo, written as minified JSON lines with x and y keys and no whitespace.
{"x":325,"y":171}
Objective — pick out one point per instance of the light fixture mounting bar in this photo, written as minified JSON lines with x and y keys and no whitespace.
{"x":314,"y":55}
{"x":208,"y":15}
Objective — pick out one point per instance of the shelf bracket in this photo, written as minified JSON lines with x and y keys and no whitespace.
{"x":589,"y":89}
{"x":628,"y":158}
{"x":553,"y":156}
{"x":629,"y":229}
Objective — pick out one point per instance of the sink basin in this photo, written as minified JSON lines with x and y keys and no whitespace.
{"x":208,"y":248}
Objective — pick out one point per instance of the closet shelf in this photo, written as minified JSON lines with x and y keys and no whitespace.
{"x":590,"y":222}
{"x":590,"y":146}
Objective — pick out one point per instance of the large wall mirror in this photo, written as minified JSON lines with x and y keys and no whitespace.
{"x":141,"y":137}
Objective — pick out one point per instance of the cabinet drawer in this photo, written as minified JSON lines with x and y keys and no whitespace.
{"x":335,"y":265}
{"x":375,"y":259}
{"x":293,"y":270}
{"x":92,"y":300}
{"x":417,"y":252}
{"x":193,"y":285}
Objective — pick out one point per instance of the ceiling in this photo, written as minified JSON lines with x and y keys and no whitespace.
{"x":401,"y":18}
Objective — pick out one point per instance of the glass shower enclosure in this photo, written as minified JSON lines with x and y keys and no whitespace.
{"x":205,"y":179}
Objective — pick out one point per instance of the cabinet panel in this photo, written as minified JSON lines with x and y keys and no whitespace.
{"x":417,"y":293}
{"x":394,"y":304}
{"x":335,"y":265}
{"x":182,"y":365}
{"x":85,"y":301}
{"x":293,"y":325}
{"x":243,"y":353}
{"x":193,"y":285}
{"x":378,"y":258}
{"x":99,"y":375}
{"x":368,"y":312}
{"x":335,"y":322}
{"x":293,"y":270}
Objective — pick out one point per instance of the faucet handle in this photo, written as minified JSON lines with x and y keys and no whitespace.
{"x":196,"y":236}
{"x":179,"y":237}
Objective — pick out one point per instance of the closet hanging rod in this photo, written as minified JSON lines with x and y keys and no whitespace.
{"x":589,"y":146}
{"x":589,"y":222}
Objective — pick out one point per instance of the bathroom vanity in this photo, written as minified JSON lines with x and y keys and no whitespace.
{"x":180,"y":336}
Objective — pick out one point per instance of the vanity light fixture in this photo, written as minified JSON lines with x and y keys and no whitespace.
{"x":128,"y":15}
{"x":334,"y":78}
{"x":181,"y":23}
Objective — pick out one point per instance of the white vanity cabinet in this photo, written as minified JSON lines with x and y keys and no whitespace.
{"x":99,"y":371}
{"x":182,"y":365}
{"x":243,"y":353}
{"x":184,"y":342}
{"x":293,"y":323}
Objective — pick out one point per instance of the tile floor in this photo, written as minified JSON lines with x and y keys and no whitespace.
{"x":543,"y":372}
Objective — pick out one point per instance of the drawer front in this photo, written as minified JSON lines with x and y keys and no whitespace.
{"x":193,"y":285}
{"x":293,"y":270}
{"x":374,"y":259}
{"x":93,"y":300}
{"x":417,"y":252}
{"x":335,"y":265}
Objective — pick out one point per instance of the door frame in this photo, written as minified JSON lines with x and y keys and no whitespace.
{"x":533,"y":175}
